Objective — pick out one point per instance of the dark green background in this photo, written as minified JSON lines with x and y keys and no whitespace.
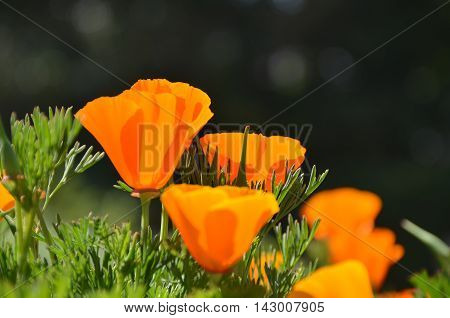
{"x":382,"y":126}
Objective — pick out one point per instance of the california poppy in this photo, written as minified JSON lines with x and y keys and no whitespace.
{"x":218,"y":224}
{"x":342,"y":209}
{"x":144,"y":130}
{"x":376,"y":250}
{"x":265,"y":155}
{"x":342,"y":280}
{"x":347,"y":222}
{"x":7,"y":201}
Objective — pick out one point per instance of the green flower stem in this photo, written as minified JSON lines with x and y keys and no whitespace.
{"x":164,"y":224}
{"x":146,"y":199}
{"x":27,"y":239}
{"x":19,"y":230}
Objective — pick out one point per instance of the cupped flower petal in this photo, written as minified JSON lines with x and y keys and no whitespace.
{"x":265,"y":155}
{"x":7,"y":201}
{"x":341,"y":210}
{"x":376,"y":250}
{"x":218,"y":224}
{"x":348,"y":279}
{"x":146,"y":129}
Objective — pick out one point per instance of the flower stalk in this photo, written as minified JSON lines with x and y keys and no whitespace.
{"x":146,"y":199}
{"x":19,"y":230}
{"x":26,"y":239}
{"x":164,"y":224}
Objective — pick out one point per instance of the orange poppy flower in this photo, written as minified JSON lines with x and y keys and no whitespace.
{"x":7,"y":201}
{"x":275,"y":260}
{"x":145,"y":129}
{"x":343,"y":280}
{"x":342,"y":209}
{"x":265,"y":155}
{"x":376,"y":250}
{"x":218,"y":224}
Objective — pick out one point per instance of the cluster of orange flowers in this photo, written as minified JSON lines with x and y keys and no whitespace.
{"x":362,"y":253}
{"x":146,"y":129}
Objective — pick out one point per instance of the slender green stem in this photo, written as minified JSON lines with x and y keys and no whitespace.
{"x":27,"y":239}
{"x":49,"y":196}
{"x":164,"y":224}
{"x":145,"y":216}
{"x":19,"y":231}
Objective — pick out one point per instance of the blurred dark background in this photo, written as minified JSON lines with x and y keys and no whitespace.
{"x":382,"y":126}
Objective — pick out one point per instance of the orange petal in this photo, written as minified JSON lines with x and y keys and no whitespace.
{"x":7,"y":201}
{"x":146,"y":129}
{"x":265,"y":155}
{"x":215,"y":223}
{"x":343,"y":280}
{"x":341,"y":210}
{"x":376,"y":250}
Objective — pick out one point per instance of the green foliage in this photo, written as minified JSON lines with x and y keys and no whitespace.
{"x":40,"y":145}
{"x":294,"y":241}
{"x":8,"y":264}
{"x":440,"y":249}
{"x":282,"y":274}
{"x":294,"y":192}
{"x":94,"y":259}
{"x":437,"y":285}
{"x":123,"y":187}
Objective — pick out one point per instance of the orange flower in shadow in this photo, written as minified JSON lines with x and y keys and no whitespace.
{"x":145,"y":129}
{"x":376,"y":250}
{"x":343,"y":208}
{"x":347,"y":223}
{"x":265,"y":155}
{"x":218,"y":224}
{"x":343,"y":280}
{"x":405,"y":293}
{"x":7,"y":201}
